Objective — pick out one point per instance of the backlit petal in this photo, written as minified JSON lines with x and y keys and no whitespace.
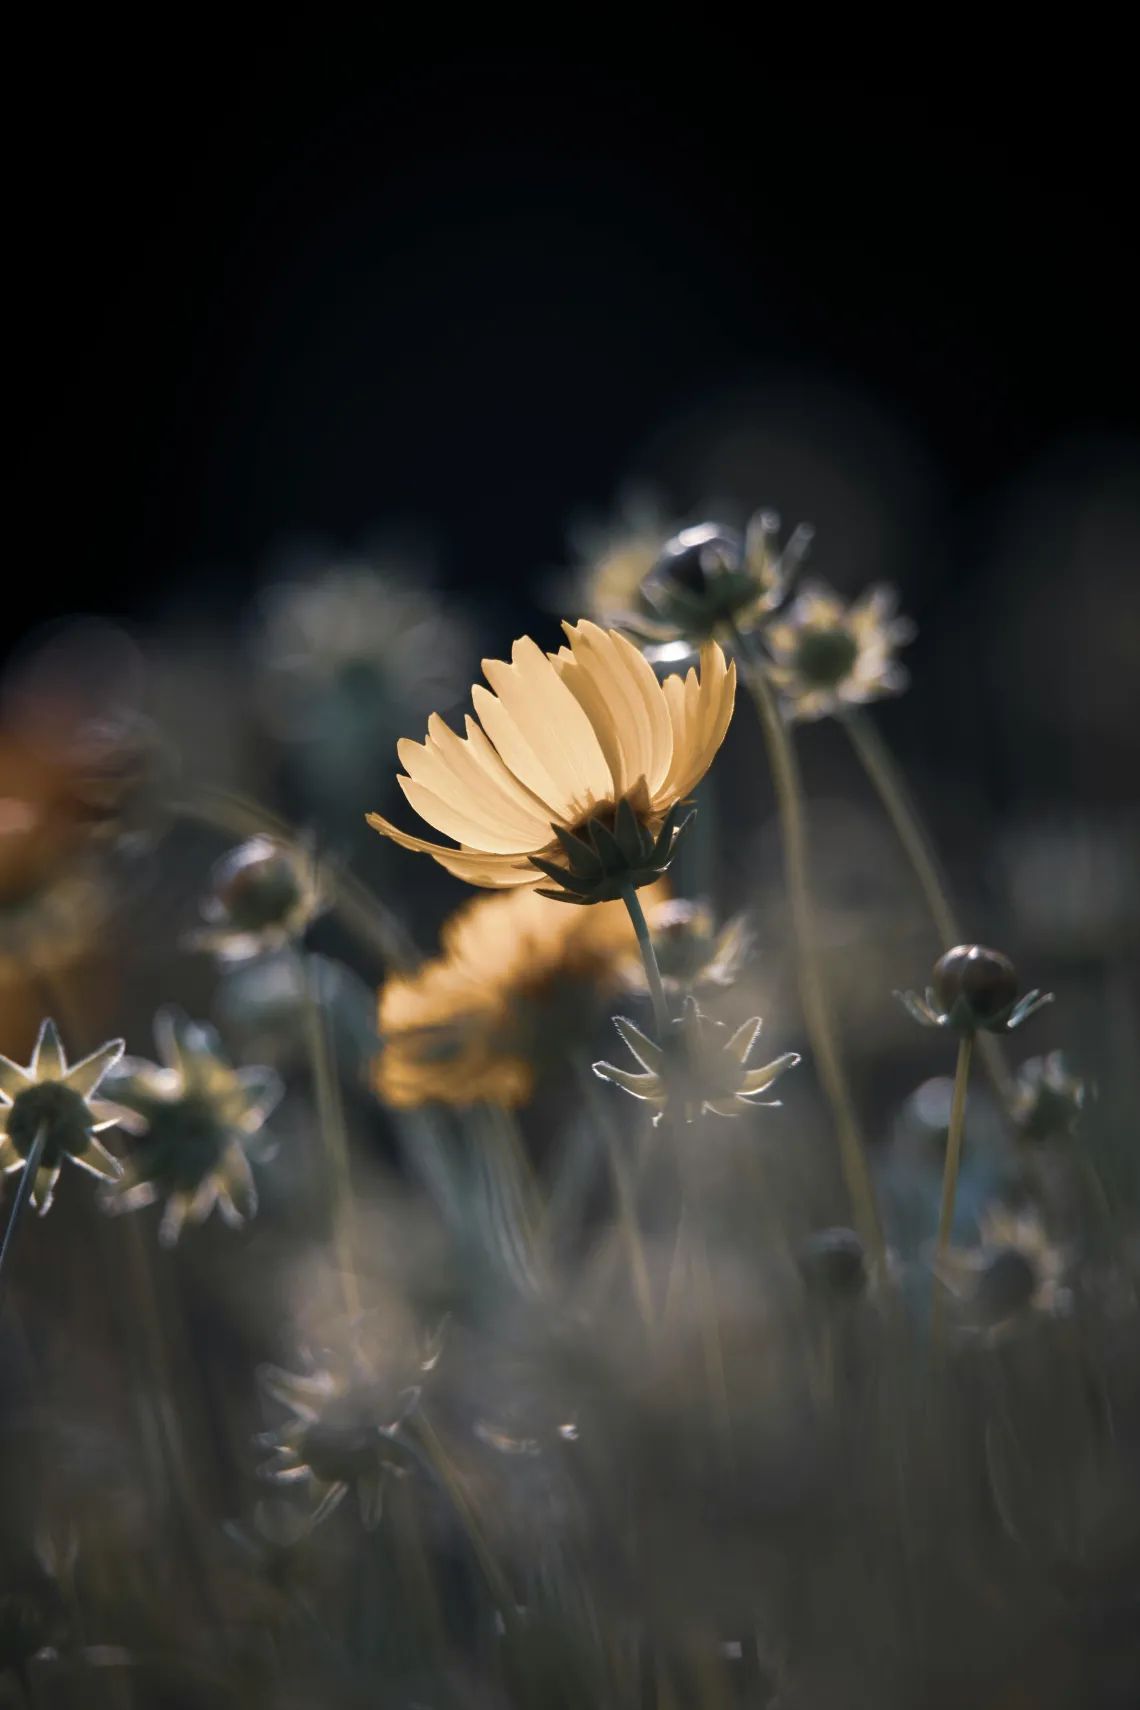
{"x":85,"y":1076}
{"x":48,"y":1061}
{"x":554,"y":736}
{"x":13,"y":1079}
{"x":475,"y":866}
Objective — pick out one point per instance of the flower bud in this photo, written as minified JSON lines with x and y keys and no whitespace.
{"x":833,"y":1264}
{"x":983,"y":981}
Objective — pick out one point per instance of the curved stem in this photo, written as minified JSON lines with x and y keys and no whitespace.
{"x":21,"y":1203}
{"x":330,"y":1119}
{"x":789,"y":804}
{"x":954,"y":1142}
{"x":880,"y":767}
{"x":649,"y":958}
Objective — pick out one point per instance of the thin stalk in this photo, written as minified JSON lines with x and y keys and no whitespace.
{"x":883,"y":772}
{"x":453,"y":1484}
{"x":950,"y":1190}
{"x":625,"y":1188}
{"x":789,"y":804}
{"x":954,"y":1142}
{"x":649,"y":958}
{"x":21,"y":1202}
{"x":330,"y":1120}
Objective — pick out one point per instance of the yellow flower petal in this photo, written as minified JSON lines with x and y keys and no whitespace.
{"x":473,"y":865}
{"x":533,"y":696}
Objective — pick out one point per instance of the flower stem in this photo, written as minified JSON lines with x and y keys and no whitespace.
{"x":789,"y":804}
{"x":649,"y":958}
{"x":330,"y":1119}
{"x":21,"y":1202}
{"x":883,"y":772}
{"x":625,"y":1190}
{"x":954,"y":1142}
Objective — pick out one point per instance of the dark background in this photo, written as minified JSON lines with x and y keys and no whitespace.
{"x":272,"y":297}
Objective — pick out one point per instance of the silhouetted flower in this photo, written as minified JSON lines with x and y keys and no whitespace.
{"x":197,"y":1115}
{"x":691,"y":954}
{"x":60,"y":1102}
{"x":1048,"y":1099}
{"x":973,"y":988}
{"x":345,"y":1431}
{"x":263,"y":895}
{"x":826,"y":655}
{"x":1013,"y":1271}
{"x":698,"y":1066}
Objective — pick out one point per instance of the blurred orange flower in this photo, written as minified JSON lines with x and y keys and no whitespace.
{"x":518,"y":981}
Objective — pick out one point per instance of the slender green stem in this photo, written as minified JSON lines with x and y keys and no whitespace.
{"x":20,"y":1203}
{"x":954,"y":1142}
{"x":884,"y":774}
{"x":330,"y":1118}
{"x":649,"y":958}
{"x":789,"y":803}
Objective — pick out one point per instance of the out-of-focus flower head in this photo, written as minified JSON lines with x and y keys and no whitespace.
{"x":1015,"y":1270}
{"x":51,"y":898}
{"x":1047,"y":1099}
{"x":198,"y":1116}
{"x":833,"y":1264}
{"x":346,"y":1428}
{"x":578,"y":771}
{"x":691,"y":954}
{"x":612,"y":557}
{"x":973,"y":988}
{"x":263,"y":896}
{"x":345,"y":651}
{"x":74,"y":698}
{"x":710,"y":577}
{"x":699,"y":1066}
{"x":59,"y":1102}
{"x":519,"y":982}
{"x":826,"y":655}
{"x":81,"y":780}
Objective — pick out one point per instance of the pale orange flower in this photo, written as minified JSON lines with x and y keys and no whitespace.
{"x":519,"y":980}
{"x":576,"y":768}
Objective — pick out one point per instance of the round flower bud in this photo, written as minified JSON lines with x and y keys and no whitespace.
{"x":700,"y":580}
{"x":1006,"y":1284}
{"x":974,"y":986}
{"x":832,"y":1263}
{"x":257,"y":885}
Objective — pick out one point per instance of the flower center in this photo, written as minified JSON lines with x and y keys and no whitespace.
{"x":824,"y":657}
{"x":342,"y":1445}
{"x":59,"y":1111}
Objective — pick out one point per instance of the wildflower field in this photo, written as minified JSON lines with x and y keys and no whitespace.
{"x":511,"y":1200}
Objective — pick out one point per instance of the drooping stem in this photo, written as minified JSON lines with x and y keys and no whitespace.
{"x":649,"y":958}
{"x":789,"y":805}
{"x":954,"y":1142}
{"x":880,"y":767}
{"x":330,"y":1120}
{"x":21,"y":1203}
